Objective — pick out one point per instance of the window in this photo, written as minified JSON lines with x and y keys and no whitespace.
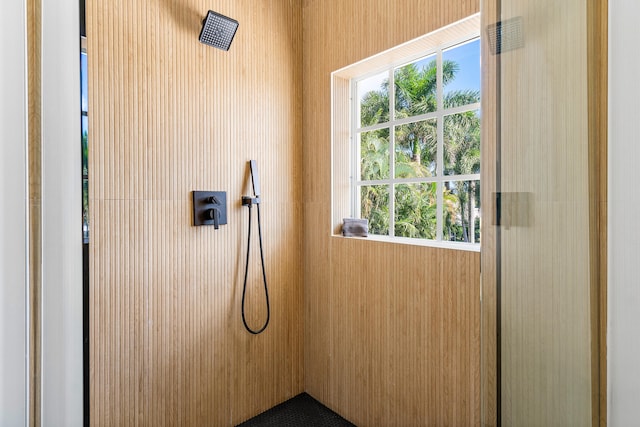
{"x":84,"y":90}
{"x":414,"y":140}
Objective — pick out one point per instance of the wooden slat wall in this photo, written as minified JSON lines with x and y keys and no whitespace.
{"x":168,"y":115}
{"x":391,"y":331}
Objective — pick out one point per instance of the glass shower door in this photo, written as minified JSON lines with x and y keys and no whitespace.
{"x":540,"y":363}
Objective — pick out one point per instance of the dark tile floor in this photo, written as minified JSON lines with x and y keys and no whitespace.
{"x":300,"y":411}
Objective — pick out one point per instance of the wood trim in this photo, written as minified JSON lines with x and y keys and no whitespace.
{"x":35,"y":207}
{"x":490,"y":65}
{"x":597,"y":42}
{"x":341,"y":150}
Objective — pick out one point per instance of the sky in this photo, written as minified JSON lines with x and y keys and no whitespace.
{"x":83,"y":81}
{"x":468,"y":58}
{"x":467,"y":55}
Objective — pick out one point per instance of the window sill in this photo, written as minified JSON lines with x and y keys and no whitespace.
{"x":471,"y":247}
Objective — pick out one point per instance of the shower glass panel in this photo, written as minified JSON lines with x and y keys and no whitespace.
{"x":538,"y":362}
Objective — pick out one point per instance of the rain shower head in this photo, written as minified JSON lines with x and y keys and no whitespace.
{"x":505,"y":35}
{"x":218,"y":30}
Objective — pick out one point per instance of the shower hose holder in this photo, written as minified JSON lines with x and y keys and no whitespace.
{"x":249,"y":201}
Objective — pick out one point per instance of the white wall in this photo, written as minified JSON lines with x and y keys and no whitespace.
{"x":61,"y":216}
{"x":13,"y":216}
{"x":624,"y":211}
{"x":61,"y":222}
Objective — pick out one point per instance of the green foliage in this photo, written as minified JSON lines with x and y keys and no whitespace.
{"x":462,"y":143}
{"x":85,"y":182}
{"x":85,"y":153}
{"x":416,"y":210}
{"x":415,"y":156}
{"x":460,"y":199}
{"x":375,"y":207}
{"x":374,"y":154}
{"x":375,"y":107}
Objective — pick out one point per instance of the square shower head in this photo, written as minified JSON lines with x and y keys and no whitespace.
{"x":505,"y":35}
{"x":218,"y":30}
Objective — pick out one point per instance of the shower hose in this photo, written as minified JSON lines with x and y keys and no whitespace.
{"x":246,"y":272}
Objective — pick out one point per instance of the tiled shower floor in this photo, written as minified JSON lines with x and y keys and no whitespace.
{"x":300,"y":411}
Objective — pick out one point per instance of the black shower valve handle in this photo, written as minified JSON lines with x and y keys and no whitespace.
{"x":214,"y":214}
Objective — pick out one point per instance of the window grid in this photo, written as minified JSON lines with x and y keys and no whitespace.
{"x":441,"y":112}
{"x":440,"y":148}
{"x":392,"y":152}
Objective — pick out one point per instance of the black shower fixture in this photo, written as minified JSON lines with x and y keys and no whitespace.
{"x":210,"y":208}
{"x":505,"y":35}
{"x":249,"y":201}
{"x":218,"y":30}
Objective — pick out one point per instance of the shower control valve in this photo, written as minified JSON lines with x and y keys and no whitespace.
{"x":210,"y":208}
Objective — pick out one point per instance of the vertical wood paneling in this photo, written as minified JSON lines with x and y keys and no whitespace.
{"x":391,"y":331}
{"x":167,"y":116}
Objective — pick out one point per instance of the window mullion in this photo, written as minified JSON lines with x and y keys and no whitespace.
{"x":392,"y":153}
{"x":440,"y":146}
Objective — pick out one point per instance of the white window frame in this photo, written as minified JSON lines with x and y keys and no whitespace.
{"x":456,"y":34}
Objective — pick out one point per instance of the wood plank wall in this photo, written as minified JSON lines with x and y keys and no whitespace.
{"x":168,"y":115}
{"x":391,"y":331}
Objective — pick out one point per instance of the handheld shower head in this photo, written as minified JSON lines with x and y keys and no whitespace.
{"x":254,"y":178}
{"x":218,"y":30}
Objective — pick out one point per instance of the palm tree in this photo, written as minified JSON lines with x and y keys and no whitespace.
{"x":415,"y":154}
{"x":374,"y":154}
{"x":416,"y":210}
{"x":415,"y":94}
{"x":462,"y":157}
